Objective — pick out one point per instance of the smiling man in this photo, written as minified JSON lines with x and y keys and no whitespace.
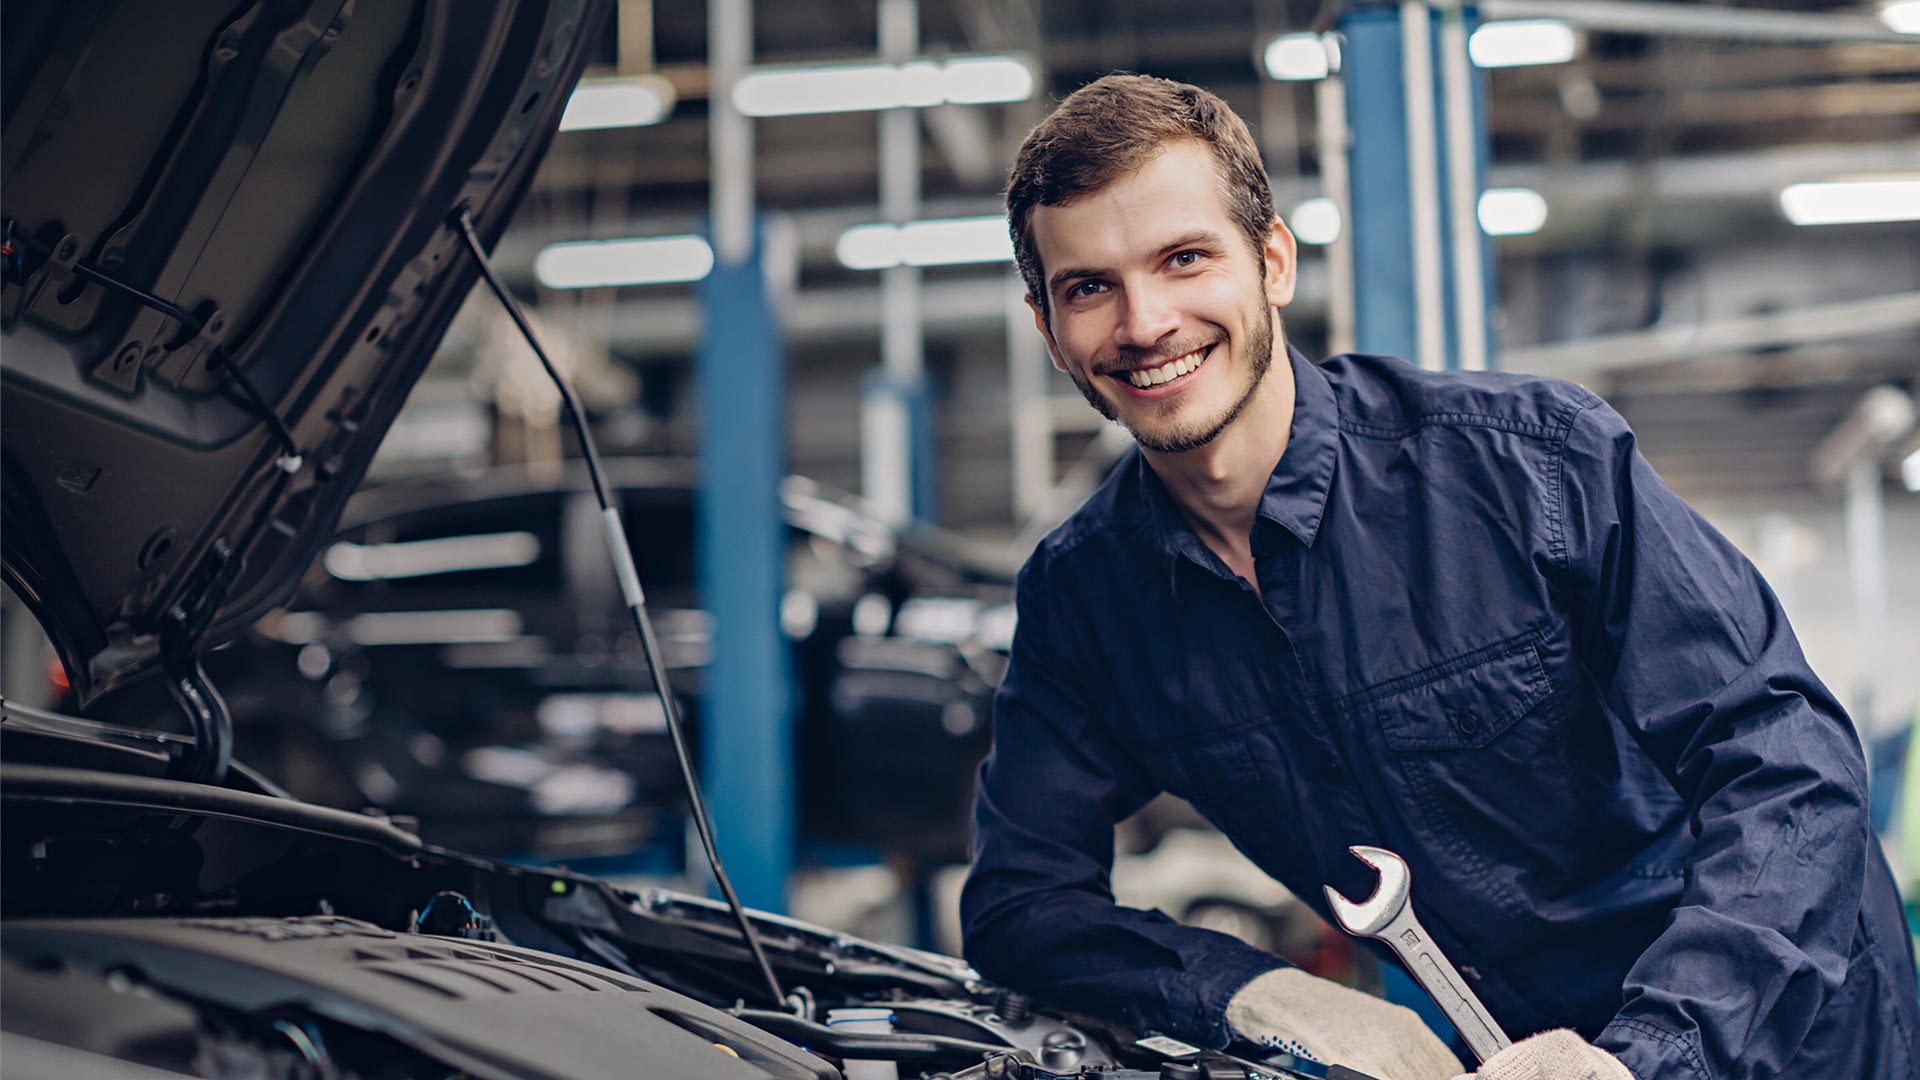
{"x":1455,"y":616}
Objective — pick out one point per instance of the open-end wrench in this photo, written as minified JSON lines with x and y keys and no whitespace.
{"x":1388,"y":915}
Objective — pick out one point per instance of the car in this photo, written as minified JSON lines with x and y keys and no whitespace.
{"x":233,"y":236}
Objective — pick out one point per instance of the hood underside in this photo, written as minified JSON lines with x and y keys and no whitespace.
{"x":286,"y":173}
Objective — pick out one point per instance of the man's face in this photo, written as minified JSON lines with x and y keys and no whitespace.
{"x":1160,"y":311}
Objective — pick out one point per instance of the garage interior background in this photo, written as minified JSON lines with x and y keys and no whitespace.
{"x":1653,"y":192}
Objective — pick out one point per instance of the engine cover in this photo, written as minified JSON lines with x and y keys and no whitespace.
{"x":493,"y":1010}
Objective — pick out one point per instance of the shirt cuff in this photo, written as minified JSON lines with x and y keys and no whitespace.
{"x":1651,"y":1052}
{"x":1229,"y":974}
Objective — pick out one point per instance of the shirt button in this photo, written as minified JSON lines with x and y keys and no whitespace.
{"x":1468,"y":723}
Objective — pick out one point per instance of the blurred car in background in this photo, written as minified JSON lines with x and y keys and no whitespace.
{"x":460,"y":655}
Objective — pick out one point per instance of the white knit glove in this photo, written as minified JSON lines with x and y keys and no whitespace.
{"x":1307,"y":1016}
{"x":1551,"y":1055}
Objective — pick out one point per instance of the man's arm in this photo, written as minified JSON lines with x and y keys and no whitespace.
{"x":1690,"y":651}
{"x":1038,"y":911}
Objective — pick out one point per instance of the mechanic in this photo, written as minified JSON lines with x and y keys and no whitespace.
{"x":1453,"y":615}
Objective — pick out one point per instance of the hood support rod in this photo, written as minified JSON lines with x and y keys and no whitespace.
{"x":462,"y":221}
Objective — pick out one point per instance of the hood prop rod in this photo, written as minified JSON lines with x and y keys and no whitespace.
{"x":636,"y":599}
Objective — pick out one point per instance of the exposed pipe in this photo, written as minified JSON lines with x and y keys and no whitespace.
{"x":1463,"y":194}
{"x":887,"y":443}
{"x":730,"y":134}
{"x":1796,"y":326}
{"x":1423,"y":183}
{"x":1335,"y":140}
{"x":1699,"y":20}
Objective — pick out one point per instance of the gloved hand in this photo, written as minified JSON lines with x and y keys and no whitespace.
{"x":1551,"y":1055}
{"x":1307,"y":1016}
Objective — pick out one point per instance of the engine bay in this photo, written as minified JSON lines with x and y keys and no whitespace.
{"x":228,"y":932}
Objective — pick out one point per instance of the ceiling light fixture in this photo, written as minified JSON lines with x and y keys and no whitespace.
{"x":441,"y":555}
{"x":1852,"y":202}
{"x":1901,"y":16}
{"x":1301,"y":57}
{"x":1512,"y":211}
{"x":798,"y":91}
{"x":591,"y":264}
{"x":627,"y":101}
{"x":1522,"y":42}
{"x":944,"y":242}
{"x":1315,"y":221}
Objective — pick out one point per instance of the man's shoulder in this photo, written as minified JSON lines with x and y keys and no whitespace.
{"x":1385,"y":397}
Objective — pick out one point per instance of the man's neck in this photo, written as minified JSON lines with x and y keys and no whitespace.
{"x":1218,"y":486}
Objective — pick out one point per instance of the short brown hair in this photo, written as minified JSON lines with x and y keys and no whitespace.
{"x":1113,"y":126}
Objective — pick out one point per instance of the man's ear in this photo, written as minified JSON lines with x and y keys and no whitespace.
{"x":1040,"y":324}
{"x":1282,"y":263}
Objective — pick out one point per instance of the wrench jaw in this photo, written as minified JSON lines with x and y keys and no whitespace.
{"x":1371,"y":916}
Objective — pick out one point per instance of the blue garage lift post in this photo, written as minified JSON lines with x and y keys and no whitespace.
{"x":746,"y":735}
{"x":1423,"y":286}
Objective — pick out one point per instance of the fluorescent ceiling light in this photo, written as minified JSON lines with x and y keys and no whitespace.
{"x":1910,"y":471}
{"x":433,"y":627}
{"x":984,"y":80}
{"x":1852,"y":202}
{"x":421,"y":558}
{"x":590,"y":264}
{"x":926,"y":243}
{"x":1519,"y":42}
{"x":1901,"y":16}
{"x":1315,"y":221}
{"x":796,"y":91}
{"x":1301,"y":57}
{"x":632,"y":101}
{"x":1512,"y":211}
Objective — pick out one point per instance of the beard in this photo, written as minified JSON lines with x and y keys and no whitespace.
{"x":1194,"y":434}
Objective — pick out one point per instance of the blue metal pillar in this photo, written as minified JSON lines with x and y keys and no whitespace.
{"x":1400,"y":195}
{"x":746,"y":734}
{"x":1387,"y":218}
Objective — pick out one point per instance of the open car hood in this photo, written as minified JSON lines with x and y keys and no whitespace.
{"x":287,"y":172}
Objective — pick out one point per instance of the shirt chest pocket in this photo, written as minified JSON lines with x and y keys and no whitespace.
{"x":1475,"y":760}
{"x":1463,"y":709}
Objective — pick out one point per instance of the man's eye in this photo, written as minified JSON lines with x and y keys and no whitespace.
{"x":1186,"y":258}
{"x":1085,"y":288}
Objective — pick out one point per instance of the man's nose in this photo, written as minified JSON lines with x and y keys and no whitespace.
{"x":1147,"y":317}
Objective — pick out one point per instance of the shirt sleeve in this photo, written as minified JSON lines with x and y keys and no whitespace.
{"x":1038,"y":912}
{"x":1692,"y":654}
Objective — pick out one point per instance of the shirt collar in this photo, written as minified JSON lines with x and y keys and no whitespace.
{"x":1296,"y":494}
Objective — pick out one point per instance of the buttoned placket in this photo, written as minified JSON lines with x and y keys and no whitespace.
{"x":1279,"y":559}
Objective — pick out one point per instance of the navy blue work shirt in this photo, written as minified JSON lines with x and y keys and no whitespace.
{"x":1486,"y":637}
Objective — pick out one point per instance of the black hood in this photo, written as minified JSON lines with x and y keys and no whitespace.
{"x":286,"y":173}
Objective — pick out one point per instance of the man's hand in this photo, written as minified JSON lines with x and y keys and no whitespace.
{"x":1551,"y":1055}
{"x":1307,"y":1016}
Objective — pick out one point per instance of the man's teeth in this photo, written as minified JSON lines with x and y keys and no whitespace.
{"x":1167,"y":372}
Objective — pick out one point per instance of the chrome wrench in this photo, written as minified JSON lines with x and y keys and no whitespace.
{"x":1388,"y":916}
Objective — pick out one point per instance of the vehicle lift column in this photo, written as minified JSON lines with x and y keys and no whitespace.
{"x":1416,"y":107}
{"x":746,"y":725}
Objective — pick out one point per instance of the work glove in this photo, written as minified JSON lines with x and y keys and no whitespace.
{"x":1551,"y":1055}
{"x":1304,"y":1015}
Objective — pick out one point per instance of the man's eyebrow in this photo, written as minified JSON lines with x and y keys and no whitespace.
{"x":1196,"y":238}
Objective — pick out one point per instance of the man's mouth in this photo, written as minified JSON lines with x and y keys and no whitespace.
{"x":1172,"y":371}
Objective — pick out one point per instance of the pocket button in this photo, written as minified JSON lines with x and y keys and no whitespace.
{"x":1468,"y":723}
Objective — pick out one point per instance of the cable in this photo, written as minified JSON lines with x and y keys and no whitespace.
{"x":216,"y":360}
{"x":630,"y":588}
